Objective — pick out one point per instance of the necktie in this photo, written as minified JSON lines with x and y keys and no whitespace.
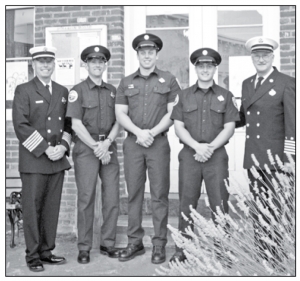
{"x":258,"y":84}
{"x":48,"y":90}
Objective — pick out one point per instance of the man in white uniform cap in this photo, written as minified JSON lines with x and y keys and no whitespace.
{"x":268,"y":111}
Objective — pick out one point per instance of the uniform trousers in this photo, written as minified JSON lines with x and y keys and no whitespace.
{"x":137,"y":159}
{"x":41,"y":194}
{"x":260,"y":244}
{"x":191,"y":175}
{"x":87,"y":168}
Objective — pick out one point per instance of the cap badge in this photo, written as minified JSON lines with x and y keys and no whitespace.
{"x":96,"y":49}
{"x":161,"y":80}
{"x":272,"y":93}
{"x":260,"y":40}
{"x":45,"y":49}
{"x":271,"y":80}
{"x":204,"y":53}
{"x":220,"y":98}
{"x":112,"y":95}
{"x":63,"y":100}
{"x":146,"y":37}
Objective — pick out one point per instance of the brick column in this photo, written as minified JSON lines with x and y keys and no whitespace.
{"x":287,"y":39}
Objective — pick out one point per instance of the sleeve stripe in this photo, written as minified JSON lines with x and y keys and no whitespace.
{"x":35,"y":144}
{"x":33,"y":141}
{"x":289,"y":142}
{"x":290,"y":151}
{"x":289,"y":146}
{"x":67,"y":137}
{"x":30,"y":138}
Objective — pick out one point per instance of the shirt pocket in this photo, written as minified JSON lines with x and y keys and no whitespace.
{"x":217,"y":111}
{"x":160,"y":95}
{"x":111,"y":110}
{"x":133,"y":97}
{"x":190,"y":115}
{"x":91,"y":109}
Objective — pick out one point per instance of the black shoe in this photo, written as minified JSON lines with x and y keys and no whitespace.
{"x":52,"y":259}
{"x":35,"y":265}
{"x":131,"y":251}
{"x":83,"y":257}
{"x":110,"y":251}
{"x":158,"y":254}
{"x":180,"y":256}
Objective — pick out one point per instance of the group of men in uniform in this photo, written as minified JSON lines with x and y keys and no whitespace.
{"x":145,"y":104}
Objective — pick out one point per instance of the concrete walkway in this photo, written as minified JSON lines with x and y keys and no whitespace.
{"x":100,"y":265}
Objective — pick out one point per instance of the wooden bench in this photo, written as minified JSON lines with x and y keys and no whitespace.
{"x":14,"y":202}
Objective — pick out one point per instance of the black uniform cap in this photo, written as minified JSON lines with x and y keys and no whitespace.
{"x":205,"y":55}
{"x":96,"y":51}
{"x":147,"y":40}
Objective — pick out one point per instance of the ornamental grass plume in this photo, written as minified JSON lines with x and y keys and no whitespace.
{"x":236,"y":253}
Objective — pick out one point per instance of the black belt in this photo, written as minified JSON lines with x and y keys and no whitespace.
{"x":164,"y":134}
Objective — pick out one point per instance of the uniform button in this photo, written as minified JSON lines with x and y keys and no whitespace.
{"x":49,"y":118}
{"x":248,"y":125}
{"x":258,"y":112}
{"x":89,"y":106}
{"x":49,"y":131}
{"x":49,"y":143}
{"x":59,"y":118}
{"x":292,"y":138}
{"x":248,"y":137}
{"x":257,"y":124}
{"x":188,"y":110}
{"x":61,"y":131}
{"x":218,"y":110}
{"x":248,"y":112}
{"x":203,"y":120}
{"x":204,"y":100}
{"x":146,"y":85}
{"x":58,"y":142}
{"x":258,"y":136}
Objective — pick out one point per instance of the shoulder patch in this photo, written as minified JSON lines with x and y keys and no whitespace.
{"x":234,"y":102}
{"x":73,"y":96}
{"x":176,"y":100}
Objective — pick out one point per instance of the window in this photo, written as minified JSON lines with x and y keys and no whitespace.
{"x":18,"y":41}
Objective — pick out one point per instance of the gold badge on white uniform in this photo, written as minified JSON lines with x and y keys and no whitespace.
{"x":272,"y":93}
{"x":73,"y":96}
{"x":161,"y":80}
{"x":220,"y":98}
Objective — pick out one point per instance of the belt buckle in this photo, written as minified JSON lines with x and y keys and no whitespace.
{"x":101,"y":137}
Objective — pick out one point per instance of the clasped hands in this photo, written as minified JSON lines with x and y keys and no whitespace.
{"x":55,"y":153}
{"x":203,"y":152}
{"x":101,"y":152}
{"x":145,"y":138}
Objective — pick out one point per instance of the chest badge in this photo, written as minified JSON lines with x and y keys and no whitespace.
{"x":130,"y":86}
{"x":220,"y":98}
{"x":272,"y":93}
{"x":161,"y":80}
{"x":63,"y":100}
{"x":112,"y":95}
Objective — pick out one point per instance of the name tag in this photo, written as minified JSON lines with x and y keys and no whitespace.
{"x":39,"y":101}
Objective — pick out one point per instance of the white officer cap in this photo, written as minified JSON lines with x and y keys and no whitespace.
{"x":261,"y":43}
{"x":42,"y":52}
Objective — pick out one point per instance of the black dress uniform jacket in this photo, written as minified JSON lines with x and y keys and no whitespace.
{"x":269,"y":116}
{"x":39,"y":121}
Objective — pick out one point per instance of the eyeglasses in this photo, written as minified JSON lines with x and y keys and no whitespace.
{"x":265,"y":57}
{"x":207,"y":66}
{"x":96,"y":60}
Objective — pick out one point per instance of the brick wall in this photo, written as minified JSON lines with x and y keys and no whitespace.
{"x":287,"y":39}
